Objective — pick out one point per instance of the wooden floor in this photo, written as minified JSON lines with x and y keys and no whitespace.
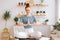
{"x":11,"y":39}
{"x":17,"y":39}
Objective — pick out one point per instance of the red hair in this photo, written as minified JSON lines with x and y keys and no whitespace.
{"x":27,"y":5}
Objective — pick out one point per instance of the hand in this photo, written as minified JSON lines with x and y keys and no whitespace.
{"x":29,"y":24}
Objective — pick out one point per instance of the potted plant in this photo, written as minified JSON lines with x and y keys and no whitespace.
{"x":19,"y":3}
{"x":45,"y":22}
{"x":6,"y":17}
{"x":57,"y":28}
{"x":37,"y":12}
{"x":16,"y":20}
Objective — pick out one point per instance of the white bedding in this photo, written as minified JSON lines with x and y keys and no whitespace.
{"x":24,"y":34}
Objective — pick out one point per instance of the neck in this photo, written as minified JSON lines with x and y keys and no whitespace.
{"x":28,"y":14}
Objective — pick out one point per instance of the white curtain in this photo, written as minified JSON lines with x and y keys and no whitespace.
{"x":58,"y":9}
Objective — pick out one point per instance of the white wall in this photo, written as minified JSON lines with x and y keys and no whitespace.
{"x":14,"y":10}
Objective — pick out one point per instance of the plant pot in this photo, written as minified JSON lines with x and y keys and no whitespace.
{"x":19,"y":3}
{"x":5,"y":30}
{"x":16,"y":23}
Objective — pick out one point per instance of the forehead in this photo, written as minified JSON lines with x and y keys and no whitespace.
{"x":28,"y":8}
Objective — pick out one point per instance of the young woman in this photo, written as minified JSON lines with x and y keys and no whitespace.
{"x":27,"y":21}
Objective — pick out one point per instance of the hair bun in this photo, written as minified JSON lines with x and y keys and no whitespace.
{"x":27,"y":5}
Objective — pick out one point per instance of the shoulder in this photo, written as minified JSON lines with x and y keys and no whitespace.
{"x":23,"y":16}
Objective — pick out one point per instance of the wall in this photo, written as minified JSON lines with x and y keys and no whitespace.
{"x":14,"y":10}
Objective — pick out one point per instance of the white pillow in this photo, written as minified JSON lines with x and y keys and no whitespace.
{"x":44,"y":38}
{"x":22,"y":35}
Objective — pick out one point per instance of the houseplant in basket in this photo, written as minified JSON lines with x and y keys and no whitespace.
{"x":6,"y":17}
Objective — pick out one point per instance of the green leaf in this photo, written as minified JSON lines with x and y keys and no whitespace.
{"x":16,"y":19}
{"x":6,"y":15}
{"x":46,"y":20}
{"x":57,"y":26}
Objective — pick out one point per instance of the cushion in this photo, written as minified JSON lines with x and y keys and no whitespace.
{"x":44,"y":38}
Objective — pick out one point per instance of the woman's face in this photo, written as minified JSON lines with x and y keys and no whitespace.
{"x":27,"y":10}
